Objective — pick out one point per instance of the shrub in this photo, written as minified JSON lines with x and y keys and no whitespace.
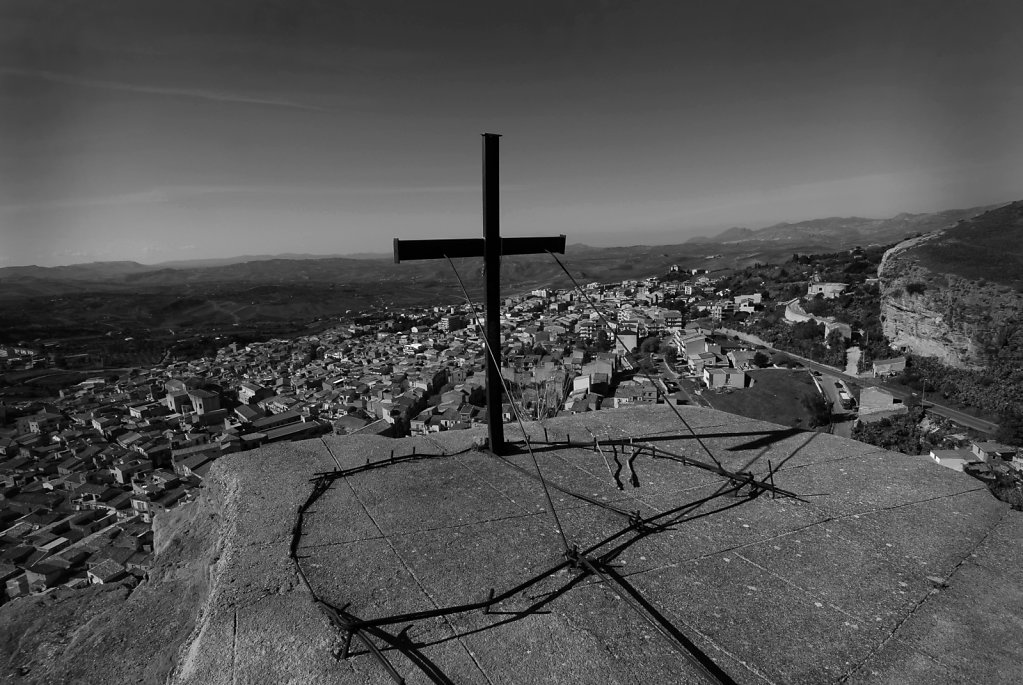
{"x":818,"y":408}
{"x":916,"y":288}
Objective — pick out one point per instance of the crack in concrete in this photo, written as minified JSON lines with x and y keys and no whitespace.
{"x":485,"y":482}
{"x":234,"y":649}
{"x":734,"y":548}
{"x":839,"y":517}
{"x":828,"y":462}
{"x":806,"y":591}
{"x":331,"y":453}
{"x":706,"y":638}
{"x":566,"y":503}
{"x":922,"y":602}
{"x":454,"y":526}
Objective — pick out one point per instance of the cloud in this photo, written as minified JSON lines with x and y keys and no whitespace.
{"x":197,"y":94}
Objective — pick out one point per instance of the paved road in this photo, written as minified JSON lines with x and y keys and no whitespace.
{"x":959,"y":417}
{"x":831,"y":385}
{"x":691,"y":398}
{"x":852,"y":359}
{"x":842,"y":419}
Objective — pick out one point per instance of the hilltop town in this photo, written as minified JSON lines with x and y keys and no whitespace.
{"x":85,"y":473}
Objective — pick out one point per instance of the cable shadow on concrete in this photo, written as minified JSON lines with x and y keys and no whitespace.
{"x":596,"y":561}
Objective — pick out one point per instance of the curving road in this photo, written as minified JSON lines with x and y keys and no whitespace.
{"x":959,"y":417}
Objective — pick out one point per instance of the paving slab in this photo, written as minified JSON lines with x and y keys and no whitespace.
{"x":895,"y":479}
{"x":506,"y":481}
{"x":730,"y":522}
{"x":843,"y":574}
{"x":336,"y":518}
{"x":969,"y":624}
{"x":787,"y":634}
{"x":899,"y":533}
{"x":426,"y":495}
{"x":896,"y":663}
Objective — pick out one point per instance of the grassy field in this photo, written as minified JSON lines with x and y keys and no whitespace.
{"x":17,"y":386}
{"x":775,"y":396}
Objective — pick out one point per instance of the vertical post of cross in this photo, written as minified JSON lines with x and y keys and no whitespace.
{"x":492,"y":247}
{"x":492,"y":271}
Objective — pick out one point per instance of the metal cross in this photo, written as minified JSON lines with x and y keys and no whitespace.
{"x":491,"y":247}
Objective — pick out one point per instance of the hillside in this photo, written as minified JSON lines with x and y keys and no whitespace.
{"x":836,"y":233}
{"x":988,"y":247}
{"x":262,"y":292}
{"x":93,"y":299}
{"x":957,"y":295}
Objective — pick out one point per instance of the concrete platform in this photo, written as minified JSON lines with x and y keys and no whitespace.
{"x":893,"y":570}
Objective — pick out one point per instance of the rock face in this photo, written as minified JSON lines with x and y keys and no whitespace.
{"x":935,"y":306}
{"x":111,"y":634}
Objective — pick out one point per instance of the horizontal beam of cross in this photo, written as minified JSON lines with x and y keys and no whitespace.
{"x":409,"y":250}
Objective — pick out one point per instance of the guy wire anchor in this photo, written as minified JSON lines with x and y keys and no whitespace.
{"x":640,"y":524}
{"x":575,"y":557}
{"x":744,"y":479}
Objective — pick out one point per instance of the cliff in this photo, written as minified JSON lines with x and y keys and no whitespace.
{"x":889,"y":569}
{"x":111,"y":633}
{"x":957,"y":294}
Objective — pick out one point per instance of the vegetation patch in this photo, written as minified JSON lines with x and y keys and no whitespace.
{"x":777,"y":396}
{"x":996,"y":391}
{"x":989,"y":246}
{"x":915,"y":288}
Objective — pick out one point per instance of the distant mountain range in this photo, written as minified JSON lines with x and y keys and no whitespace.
{"x":255,"y":290}
{"x":833,"y":233}
{"x":842,"y":232}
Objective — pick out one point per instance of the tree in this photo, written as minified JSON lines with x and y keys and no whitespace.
{"x":898,"y":433}
{"x":670,"y":353}
{"x":915,"y":288}
{"x":478,"y":397}
{"x":1010,"y":429}
{"x":650,"y":345}
{"x":808,"y":330}
{"x":761,"y":360}
{"x":836,"y":341}
{"x":818,"y":408}
{"x":816,"y":305}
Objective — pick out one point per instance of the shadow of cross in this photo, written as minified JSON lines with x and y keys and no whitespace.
{"x":491,"y":247}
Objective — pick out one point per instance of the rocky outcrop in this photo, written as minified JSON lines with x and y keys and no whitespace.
{"x":113,"y":634}
{"x":870,"y":575}
{"x":961,"y":321}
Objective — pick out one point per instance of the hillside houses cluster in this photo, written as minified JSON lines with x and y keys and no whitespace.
{"x":83,"y":475}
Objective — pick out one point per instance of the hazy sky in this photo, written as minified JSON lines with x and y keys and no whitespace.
{"x":152,"y":131}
